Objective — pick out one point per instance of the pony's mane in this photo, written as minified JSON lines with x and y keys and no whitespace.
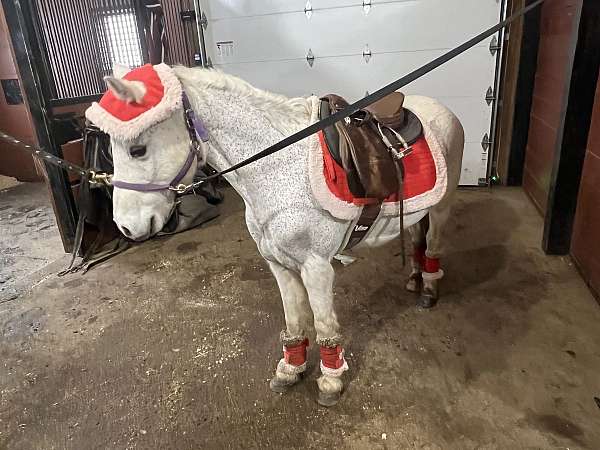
{"x":287,"y":115}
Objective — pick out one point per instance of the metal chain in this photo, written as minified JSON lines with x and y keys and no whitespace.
{"x":94,"y":177}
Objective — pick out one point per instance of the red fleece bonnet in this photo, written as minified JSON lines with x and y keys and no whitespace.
{"x":124,"y":120}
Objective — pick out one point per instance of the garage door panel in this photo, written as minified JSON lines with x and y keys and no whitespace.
{"x":440,"y":13}
{"x":351,"y":76}
{"x":448,"y":80}
{"x":474,"y":164}
{"x":228,"y":9}
{"x":291,"y":38}
{"x":473,"y":112}
{"x":344,"y":77}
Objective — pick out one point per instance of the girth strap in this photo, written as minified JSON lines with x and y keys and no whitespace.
{"x":370,"y":213}
{"x":365,"y":222}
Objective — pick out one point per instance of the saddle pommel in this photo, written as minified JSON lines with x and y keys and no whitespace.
{"x":389,"y":111}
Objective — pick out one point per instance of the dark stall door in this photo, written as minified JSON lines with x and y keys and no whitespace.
{"x":586,"y":234}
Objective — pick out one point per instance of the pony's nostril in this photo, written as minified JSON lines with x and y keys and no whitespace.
{"x":126,"y":231}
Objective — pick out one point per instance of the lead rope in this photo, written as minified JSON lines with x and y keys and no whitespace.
{"x":400,"y":166}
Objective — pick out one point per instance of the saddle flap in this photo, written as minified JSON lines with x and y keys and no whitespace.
{"x":389,"y":110}
{"x":370,"y":169}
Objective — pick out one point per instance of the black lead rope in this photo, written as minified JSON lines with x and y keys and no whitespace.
{"x":375,"y":96}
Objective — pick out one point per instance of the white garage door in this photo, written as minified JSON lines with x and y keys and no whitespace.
{"x":349,"y":47}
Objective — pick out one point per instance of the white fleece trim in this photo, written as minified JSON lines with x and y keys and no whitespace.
{"x":290,"y":369}
{"x":432,"y":276}
{"x":336,"y":373}
{"x":426,"y":199}
{"x":129,"y":130}
{"x":337,"y":208}
{"x":428,"y":111}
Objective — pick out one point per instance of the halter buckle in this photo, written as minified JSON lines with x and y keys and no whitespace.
{"x":179,"y":189}
{"x":102,"y":178}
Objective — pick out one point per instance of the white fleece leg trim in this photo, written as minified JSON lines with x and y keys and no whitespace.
{"x":432,"y":276}
{"x":290,"y":369}
{"x":336,"y":373}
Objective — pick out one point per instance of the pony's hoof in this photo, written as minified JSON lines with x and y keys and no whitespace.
{"x":328,"y":399}
{"x":426,"y":302}
{"x":282,"y":386}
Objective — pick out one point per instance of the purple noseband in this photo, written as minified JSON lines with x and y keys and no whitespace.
{"x":197,"y":132}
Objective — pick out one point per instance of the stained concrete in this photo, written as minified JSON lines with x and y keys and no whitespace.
{"x":29,"y":237}
{"x":170,"y":346}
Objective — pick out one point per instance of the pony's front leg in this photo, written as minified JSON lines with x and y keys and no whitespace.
{"x":318,"y":276}
{"x":296,"y":309}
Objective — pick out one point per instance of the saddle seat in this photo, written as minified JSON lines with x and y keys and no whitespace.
{"x":358,"y":144}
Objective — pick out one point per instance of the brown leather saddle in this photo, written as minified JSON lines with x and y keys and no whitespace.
{"x":371,"y":143}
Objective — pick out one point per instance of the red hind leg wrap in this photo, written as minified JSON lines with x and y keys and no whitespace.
{"x":432,"y":265}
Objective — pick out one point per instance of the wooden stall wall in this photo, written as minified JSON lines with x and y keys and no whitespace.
{"x":586,"y":232}
{"x":14,"y":116}
{"x":549,"y":98}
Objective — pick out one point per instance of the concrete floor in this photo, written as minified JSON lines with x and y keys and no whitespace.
{"x":29,"y":237}
{"x":171,"y":344}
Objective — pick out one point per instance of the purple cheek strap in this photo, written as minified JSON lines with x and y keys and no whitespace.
{"x":197,"y":131}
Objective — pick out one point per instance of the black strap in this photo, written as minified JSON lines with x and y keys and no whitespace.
{"x":367,"y":218}
{"x":377,"y":95}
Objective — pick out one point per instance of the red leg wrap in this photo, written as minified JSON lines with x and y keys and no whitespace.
{"x":295,"y":355}
{"x":419,"y":256}
{"x":332,"y":357}
{"x":432,"y":265}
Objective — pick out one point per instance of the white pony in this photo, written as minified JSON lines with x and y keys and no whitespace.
{"x":293,"y":232}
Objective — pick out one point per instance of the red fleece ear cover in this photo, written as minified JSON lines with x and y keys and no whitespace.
{"x":126,"y":111}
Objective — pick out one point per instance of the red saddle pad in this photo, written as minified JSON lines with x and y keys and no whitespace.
{"x":419,"y":174}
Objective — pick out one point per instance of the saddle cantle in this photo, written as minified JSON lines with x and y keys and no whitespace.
{"x":367,"y":144}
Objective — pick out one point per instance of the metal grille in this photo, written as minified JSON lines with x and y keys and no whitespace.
{"x":83,"y":40}
{"x":180,"y":25}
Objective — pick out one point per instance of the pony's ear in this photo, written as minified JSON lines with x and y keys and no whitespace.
{"x":120,"y":70}
{"x":128,"y":91}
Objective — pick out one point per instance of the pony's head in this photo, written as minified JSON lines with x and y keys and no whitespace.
{"x":152,"y":148}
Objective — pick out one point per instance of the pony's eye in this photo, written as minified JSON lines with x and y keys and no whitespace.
{"x":137,"y":151}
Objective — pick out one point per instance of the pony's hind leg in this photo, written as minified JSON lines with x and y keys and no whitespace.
{"x":318,"y":276}
{"x":297,"y":313}
{"x":432,"y":272}
{"x":419,"y":244}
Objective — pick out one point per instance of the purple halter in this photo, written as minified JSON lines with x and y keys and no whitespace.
{"x":197,"y":132}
